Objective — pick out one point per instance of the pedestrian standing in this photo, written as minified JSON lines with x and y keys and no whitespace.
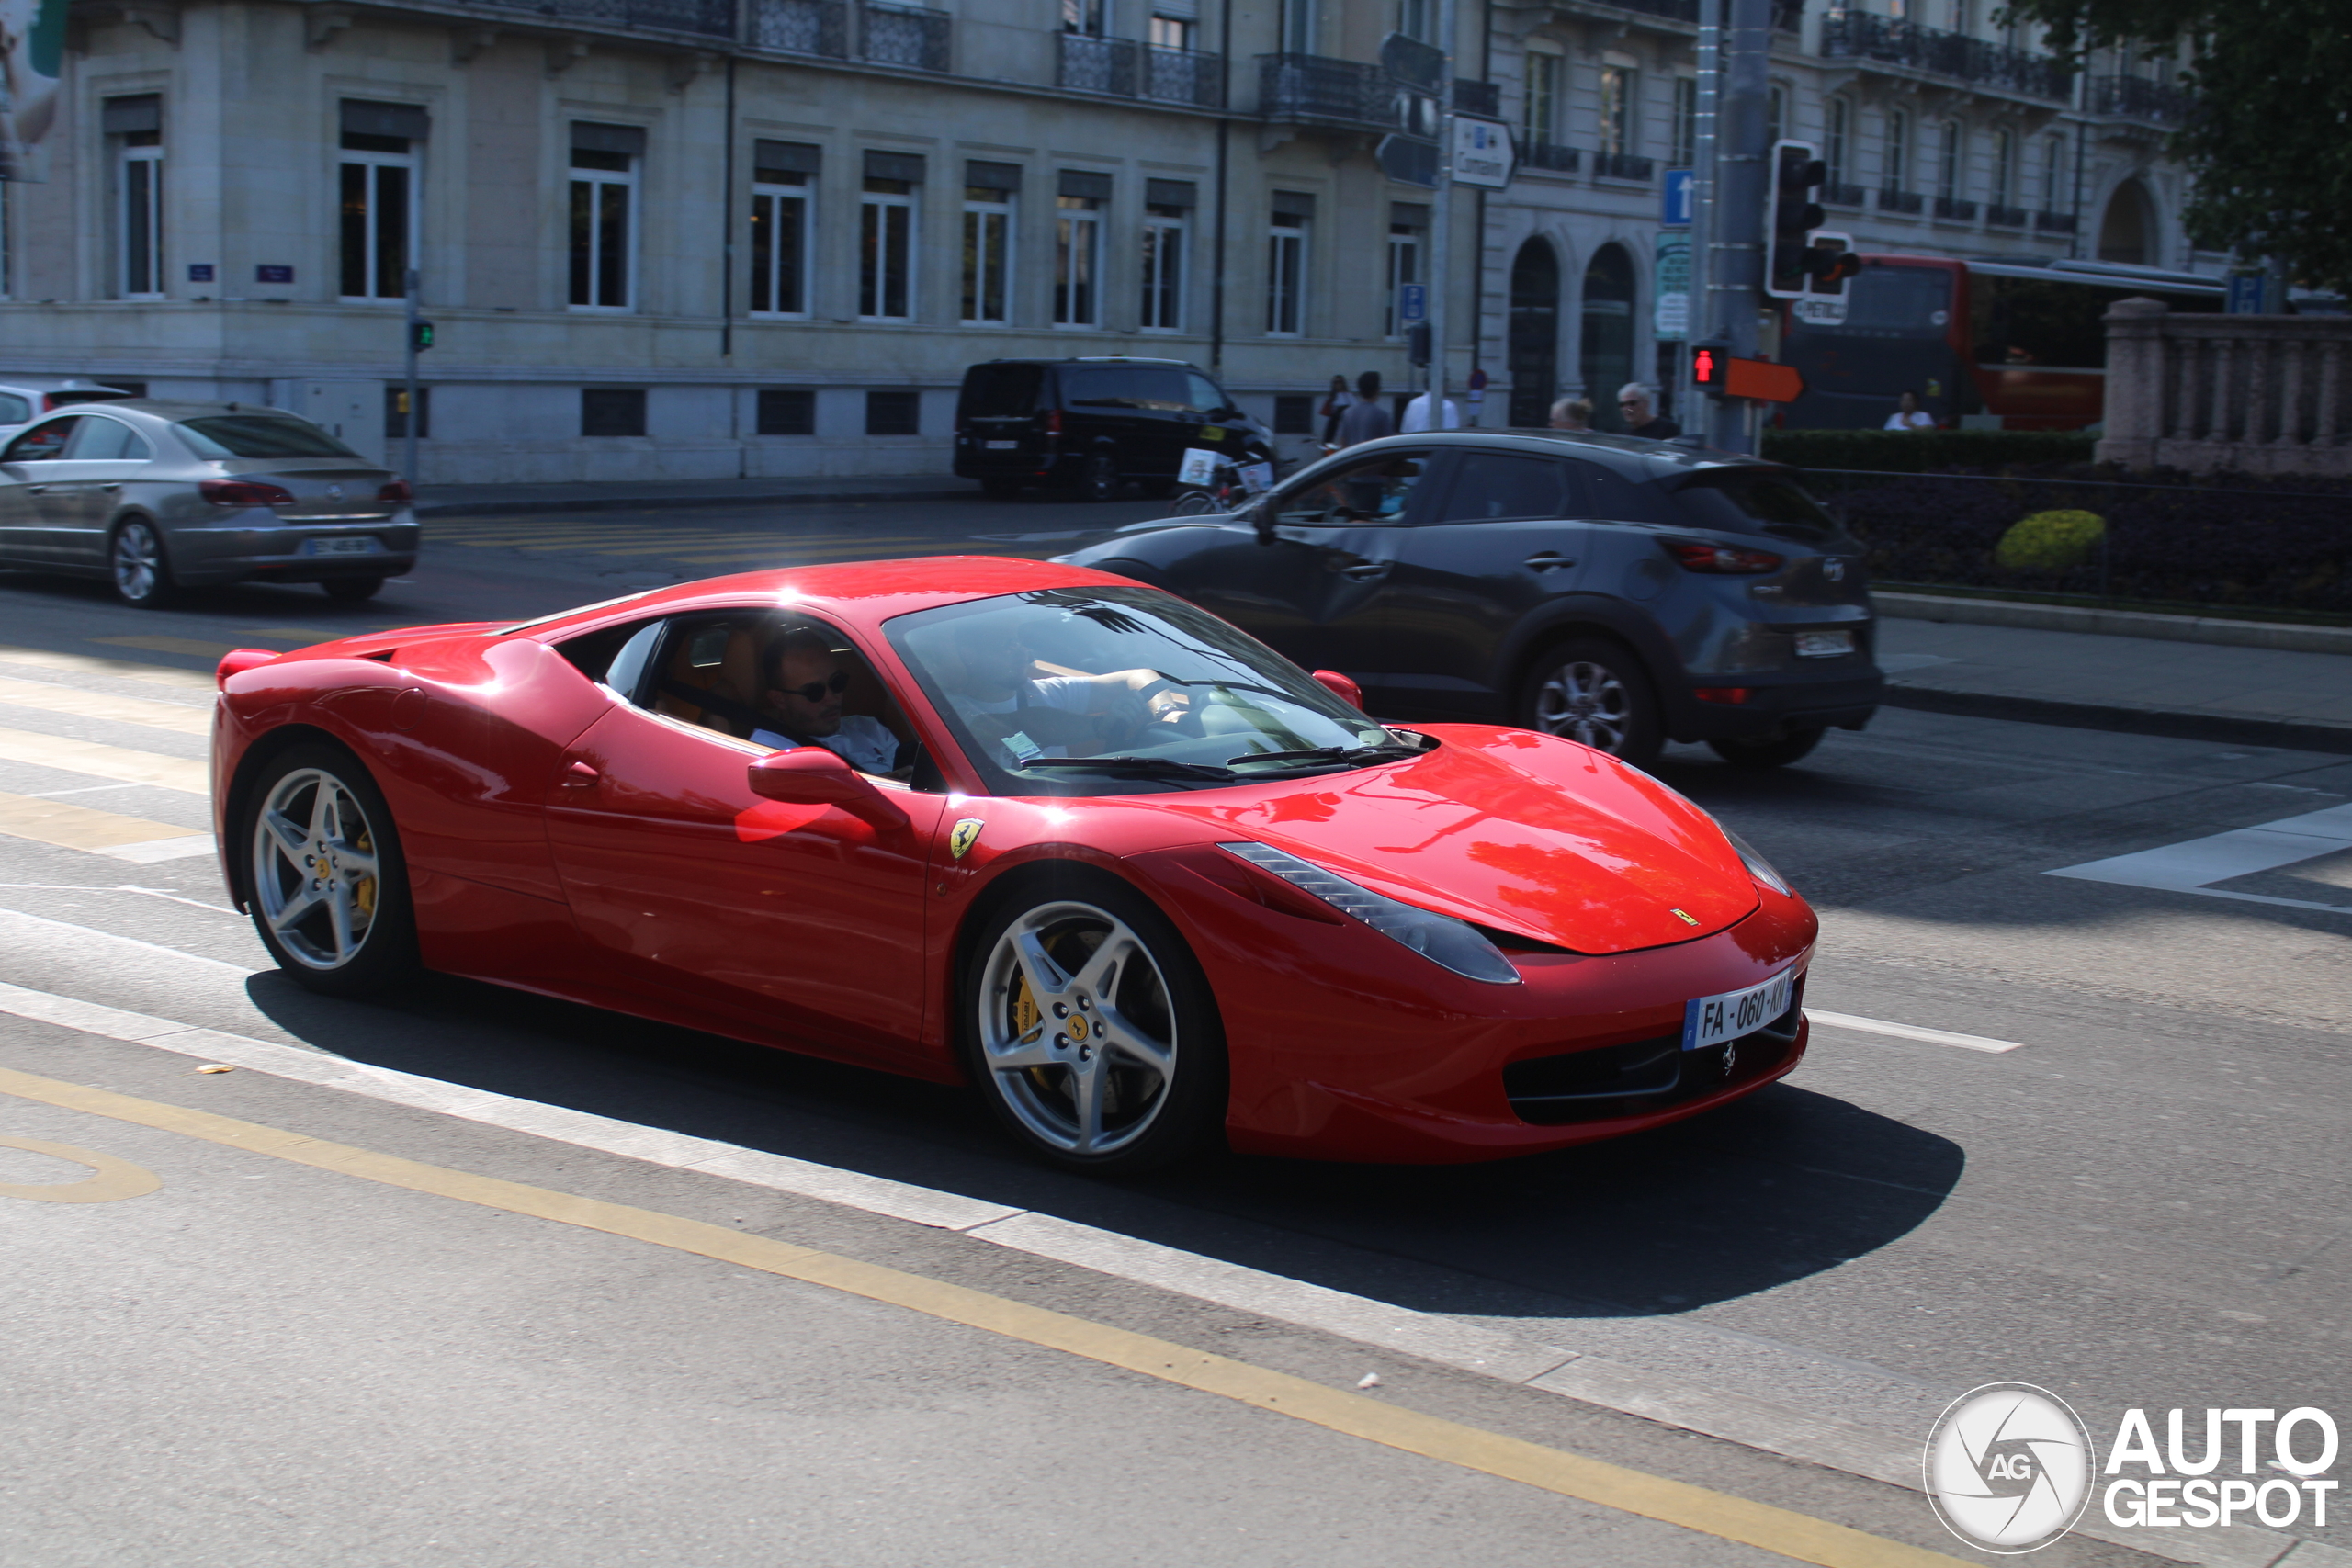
{"x":1365,"y":419}
{"x":1635,"y":402}
{"x":1417,"y":416}
{"x":1909,"y":415}
{"x":1336,"y":403}
{"x":1572,"y":413}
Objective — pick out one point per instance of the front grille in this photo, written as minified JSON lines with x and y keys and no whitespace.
{"x":1646,"y":1075}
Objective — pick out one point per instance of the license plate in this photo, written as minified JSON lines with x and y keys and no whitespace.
{"x":1710,"y":1021}
{"x":1004,"y":446}
{"x":364,"y":546}
{"x":1824,"y":644}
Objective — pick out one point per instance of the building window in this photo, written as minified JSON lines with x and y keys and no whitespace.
{"x":141,"y":180}
{"x":785,"y":411}
{"x":1418,"y":19}
{"x":1617,"y":85}
{"x":894,"y":413}
{"x":1541,"y":113}
{"x":1947,"y":161}
{"x":1172,"y":32}
{"x":1164,"y":229}
{"x":612,"y":410}
{"x":396,"y":413}
{"x":1409,"y":228}
{"x":378,"y":216}
{"x":2004,"y":160}
{"x":1286,"y":268}
{"x":1084,"y":17}
{"x":2054,"y":176}
{"x":1833,"y":144}
{"x":988,"y":251}
{"x":1776,"y":113}
{"x":1898,"y":149}
{"x":1686,"y":122}
{"x":1078,"y":248}
{"x":1298,"y":25}
{"x":780,"y":246}
{"x":886,"y":251}
{"x":603,"y":216}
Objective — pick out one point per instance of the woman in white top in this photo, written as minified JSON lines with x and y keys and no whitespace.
{"x":1909,"y":415}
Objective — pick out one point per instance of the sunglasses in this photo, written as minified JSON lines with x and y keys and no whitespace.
{"x":815,"y":691}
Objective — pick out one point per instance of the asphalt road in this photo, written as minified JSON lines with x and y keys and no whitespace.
{"x":265,"y":1362}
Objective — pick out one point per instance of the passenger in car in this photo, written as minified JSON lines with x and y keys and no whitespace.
{"x":801,"y":698}
{"x":1036,"y":709}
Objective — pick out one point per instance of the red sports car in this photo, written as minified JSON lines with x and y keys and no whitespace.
{"x":1035,"y":826}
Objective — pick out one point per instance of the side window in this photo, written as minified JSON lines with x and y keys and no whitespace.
{"x":1206,"y":398}
{"x":779,"y":680}
{"x":615,"y":656}
{"x":41,"y":443}
{"x":1612,"y":496}
{"x":1379,"y":489}
{"x":108,"y":440}
{"x":14,"y":410}
{"x":1490,"y":487}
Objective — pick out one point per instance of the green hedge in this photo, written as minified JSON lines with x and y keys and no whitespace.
{"x":1927,"y":451}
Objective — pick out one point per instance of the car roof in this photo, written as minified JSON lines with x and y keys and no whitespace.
{"x":1629,"y":455}
{"x":1090,"y":359}
{"x":179,"y":409}
{"x":55,"y":384}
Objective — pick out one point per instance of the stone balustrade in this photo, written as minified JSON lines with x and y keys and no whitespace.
{"x":2241,"y":394}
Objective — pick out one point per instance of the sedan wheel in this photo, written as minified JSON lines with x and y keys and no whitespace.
{"x":1091,"y":1031}
{"x":142,"y":577}
{"x":1595,"y":693}
{"x":328,"y":890}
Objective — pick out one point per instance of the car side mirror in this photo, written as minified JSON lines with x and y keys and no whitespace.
{"x":811,"y":775}
{"x":1340,"y":686}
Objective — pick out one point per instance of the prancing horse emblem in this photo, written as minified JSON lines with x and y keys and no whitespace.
{"x":964,"y":835}
{"x":1684,"y":915}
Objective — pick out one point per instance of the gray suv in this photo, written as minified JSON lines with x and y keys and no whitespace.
{"x":1619,"y":591}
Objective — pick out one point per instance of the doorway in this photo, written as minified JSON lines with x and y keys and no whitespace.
{"x":1534,"y":340}
{"x":1605,"y":353}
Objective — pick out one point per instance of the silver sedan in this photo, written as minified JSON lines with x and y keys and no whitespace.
{"x":157,"y":496}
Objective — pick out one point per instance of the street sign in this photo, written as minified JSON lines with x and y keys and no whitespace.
{"x":1762,"y":381}
{"x":1483,"y":156}
{"x":2248,"y":293}
{"x":1670,"y":319}
{"x":1681,"y":197}
{"x":1408,"y":160}
{"x":1412,"y":303}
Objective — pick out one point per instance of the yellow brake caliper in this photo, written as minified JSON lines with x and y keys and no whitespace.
{"x":363,"y":892}
{"x":1027,"y":1021}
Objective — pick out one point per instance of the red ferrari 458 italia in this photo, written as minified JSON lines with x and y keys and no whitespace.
{"x":1071,"y":839}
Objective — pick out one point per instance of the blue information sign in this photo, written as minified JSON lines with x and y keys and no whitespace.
{"x":2248,"y":293}
{"x":1681,"y":196}
{"x":1412,"y":303}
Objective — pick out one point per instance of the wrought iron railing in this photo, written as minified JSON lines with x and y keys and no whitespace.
{"x":2053,"y":222}
{"x":1182,"y":76}
{"x":1091,"y":64}
{"x":1891,"y":200}
{"x":2139,"y":98}
{"x":1550,"y":156}
{"x":800,"y":27}
{"x":902,"y":35}
{"x":2003,"y":217}
{"x":1315,"y":87}
{"x":711,"y":18}
{"x":1128,"y":69}
{"x":1624,"y":166}
{"x":1864,"y":35}
{"x":1954,"y":208}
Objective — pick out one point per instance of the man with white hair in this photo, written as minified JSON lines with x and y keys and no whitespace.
{"x":1634,"y":404}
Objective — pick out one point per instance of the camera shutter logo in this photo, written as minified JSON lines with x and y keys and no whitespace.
{"x":2008,"y":1467}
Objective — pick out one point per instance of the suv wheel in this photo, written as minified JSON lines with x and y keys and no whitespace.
{"x":1775,"y":751}
{"x":1099,"y":481}
{"x":1595,"y":691}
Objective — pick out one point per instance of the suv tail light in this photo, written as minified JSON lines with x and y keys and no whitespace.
{"x":1053,"y":422}
{"x":397,"y":492}
{"x":1727,"y":559}
{"x":244,"y":492}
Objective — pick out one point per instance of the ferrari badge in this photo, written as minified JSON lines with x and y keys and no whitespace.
{"x":964,"y":835}
{"x":1685,"y":915}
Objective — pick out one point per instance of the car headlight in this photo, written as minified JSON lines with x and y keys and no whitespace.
{"x":1440,"y":939}
{"x":1758,"y":866}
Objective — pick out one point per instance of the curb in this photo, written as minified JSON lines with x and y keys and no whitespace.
{"x":2294,"y":636}
{"x":427,"y":509}
{"x":2276,"y":733}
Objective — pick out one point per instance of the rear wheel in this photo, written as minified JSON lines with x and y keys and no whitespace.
{"x":141,"y":571}
{"x":1098,"y":480}
{"x":350,"y":590}
{"x":329,"y":888}
{"x":1774,"y":752}
{"x":1088,"y":1028}
{"x":1594,"y":691}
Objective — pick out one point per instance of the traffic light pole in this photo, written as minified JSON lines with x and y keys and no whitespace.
{"x":1735,"y":225}
{"x":1442,"y":218}
{"x":1699,"y":324}
{"x":408,"y":425}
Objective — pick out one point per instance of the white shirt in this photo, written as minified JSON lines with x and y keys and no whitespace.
{"x":1064,"y":692}
{"x":1417,"y":416}
{"x":1917,"y":419}
{"x":865,"y":744}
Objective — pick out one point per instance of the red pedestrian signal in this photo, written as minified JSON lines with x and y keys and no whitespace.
{"x":1702,"y":367}
{"x":1708,"y":361}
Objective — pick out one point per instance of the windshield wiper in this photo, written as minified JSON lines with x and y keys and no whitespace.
{"x":1141,"y":767}
{"x":1347,"y":754}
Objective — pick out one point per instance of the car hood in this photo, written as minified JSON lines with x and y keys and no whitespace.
{"x":1529,"y":833}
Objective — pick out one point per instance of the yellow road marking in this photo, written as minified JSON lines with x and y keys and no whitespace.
{"x":118,"y":669}
{"x":168,"y":645}
{"x":180,"y":718}
{"x":71,"y":826}
{"x":117,"y":762}
{"x":116,"y":1178}
{"x":1782,"y":1530}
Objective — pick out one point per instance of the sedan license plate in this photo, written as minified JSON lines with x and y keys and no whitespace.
{"x":366,"y":544}
{"x":1004,"y":446}
{"x":1824,"y":644}
{"x":1710,"y":1021}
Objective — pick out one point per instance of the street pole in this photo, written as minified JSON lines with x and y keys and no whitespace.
{"x":408,"y":425}
{"x":1441,"y":217}
{"x":1700,"y":317}
{"x":1736,"y":230}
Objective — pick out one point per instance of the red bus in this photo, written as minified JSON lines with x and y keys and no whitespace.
{"x":2015,"y":344}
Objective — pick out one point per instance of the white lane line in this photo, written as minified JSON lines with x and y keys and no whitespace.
{"x":92,"y":934}
{"x":2190,"y":866}
{"x":1911,"y":1032}
{"x":117,"y":887}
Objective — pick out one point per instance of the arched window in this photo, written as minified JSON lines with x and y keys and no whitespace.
{"x":1605,"y":334}
{"x":1534,"y":342}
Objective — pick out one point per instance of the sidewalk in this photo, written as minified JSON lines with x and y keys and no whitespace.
{"x":512,"y":501}
{"x":2235,"y":696}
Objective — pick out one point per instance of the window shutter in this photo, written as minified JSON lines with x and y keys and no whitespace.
{"x":589,"y":136}
{"x":363,"y":118}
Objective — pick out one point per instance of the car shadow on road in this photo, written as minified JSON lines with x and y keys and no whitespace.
{"x":1785,"y":1184}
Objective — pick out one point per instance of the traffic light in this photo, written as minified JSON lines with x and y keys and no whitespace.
{"x":1710,"y":363}
{"x":420,"y":336}
{"x":1829,"y":260}
{"x":1797,"y":169}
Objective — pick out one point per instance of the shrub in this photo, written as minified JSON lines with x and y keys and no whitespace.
{"x":1926,"y":451}
{"x":2051,"y":541}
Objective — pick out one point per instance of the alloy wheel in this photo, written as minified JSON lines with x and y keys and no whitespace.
{"x":315,"y":869}
{"x":137,"y":563}
{"x":1585,"y":702}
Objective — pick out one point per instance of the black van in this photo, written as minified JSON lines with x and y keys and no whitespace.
{"x":1091,"y":425}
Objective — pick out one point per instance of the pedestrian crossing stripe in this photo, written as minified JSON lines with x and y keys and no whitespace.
{"x":119,"y":764}
{"x":43,"y":696}
{"x":72,"y":827}
{"x":113,"y":669}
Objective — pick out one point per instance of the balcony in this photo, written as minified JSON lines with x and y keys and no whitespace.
{"x":1908,"y":202}
{"x":901,"y":35}
{"x":2000,"y":216}
{"x":1624,"y":166}
{"x":2136,"y":97}
{"x":1952,"y":209}
{"x":1550,"y":156}
{"x":1838,"y":192}
{"x":1890,"y":41}
{"x":711,"y":18}
{"x":1127,"y":69}
{"x":2053,"y":222}
{"x":1317,"y":90}
{"x":801,"y":26}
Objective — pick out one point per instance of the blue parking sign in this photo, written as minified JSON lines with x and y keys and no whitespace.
{"x":1681,"y":196}
{"x":1412,"y":303}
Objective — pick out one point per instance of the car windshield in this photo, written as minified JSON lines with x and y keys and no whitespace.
{"x":259,"y":436}
{"x":1123,"y":691}
{"x":1755,"y":500}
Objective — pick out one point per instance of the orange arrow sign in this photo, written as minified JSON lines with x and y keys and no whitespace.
{"x":1762,"y":381}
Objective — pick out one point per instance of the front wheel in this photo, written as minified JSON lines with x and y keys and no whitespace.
{"x":329,"y":887}
{"x":141,"y":571}
{"x":1596,"y":692}
{"x":1777,"y":751}
{"x":1088,"y":1028}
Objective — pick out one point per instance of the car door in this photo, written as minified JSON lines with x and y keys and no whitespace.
{"x":29,"y":473}
{"x":1508,"y":533}
{"x":1314,"y":590}
{"x":798,"y":918}
{"x":105,"y":455}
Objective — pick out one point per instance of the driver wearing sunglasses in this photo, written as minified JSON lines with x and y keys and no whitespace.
{"x":802,"y":686}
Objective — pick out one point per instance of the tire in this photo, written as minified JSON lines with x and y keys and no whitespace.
{"x":141,"y":571}
{"x":1098,"y":480}
{"x":1597,"y":692}
{"x":1195,"y":503}
{"x":1775,"y":752}
{"x":357,"y":935}
{"x":1000,"y":490}
{"x":352,"y":589}
{"x":1111,"y":1082}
